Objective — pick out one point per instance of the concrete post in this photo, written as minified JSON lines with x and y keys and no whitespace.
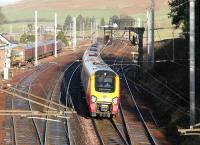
{"x":148,"y":34}
{"x":55,"y":35}
{"x":152,"y":41}
{"x":192,"y":63}
{"x":91,"y":31}
{"x":83,"y":30}
{"x":36,"y":37}
{"x":74,"y":33}
{"x":70,"y":30}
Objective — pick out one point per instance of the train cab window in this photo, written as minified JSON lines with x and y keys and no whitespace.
{"x":105,"y":83}
{"x":17,"y":53}
{"x":93,"y":49}
{"x":93,"y":54}
{"x":94,"y":45}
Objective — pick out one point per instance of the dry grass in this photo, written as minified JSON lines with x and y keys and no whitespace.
{"x":124,"y":6}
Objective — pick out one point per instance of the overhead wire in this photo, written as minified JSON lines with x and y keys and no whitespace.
{"x":166,"y":101}
{"x":181,"y":4}
{"x":170,"y":103}
{"x":185,"y":66}
{"x":170,"y":89}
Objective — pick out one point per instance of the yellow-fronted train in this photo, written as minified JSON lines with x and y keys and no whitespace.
{"x":100,"y":83}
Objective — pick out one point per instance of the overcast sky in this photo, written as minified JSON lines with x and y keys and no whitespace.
{"x":4,"y":2}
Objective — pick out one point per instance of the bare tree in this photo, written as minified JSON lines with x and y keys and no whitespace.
{"x":2,"y":17}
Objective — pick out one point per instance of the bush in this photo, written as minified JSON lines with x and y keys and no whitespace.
{"x":61,"y":36}
{"x":27,"y":38}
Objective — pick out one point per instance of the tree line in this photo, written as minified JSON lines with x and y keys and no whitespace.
{"x":79,"y":22}
{"x":2,"y":17}
{"x":122,"y":20}
{"x":179,"y":13}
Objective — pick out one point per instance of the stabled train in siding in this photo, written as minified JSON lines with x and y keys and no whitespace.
{"x":100,"y":83}
{"x":26,"y":53}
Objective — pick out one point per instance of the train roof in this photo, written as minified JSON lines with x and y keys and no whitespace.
{"x":41,"y":43}
{"x":8,"y":46}
{"x":93,"y":61}
{"x":32,"y":45}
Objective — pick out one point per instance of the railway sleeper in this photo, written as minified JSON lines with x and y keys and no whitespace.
{"x":101,"y":114}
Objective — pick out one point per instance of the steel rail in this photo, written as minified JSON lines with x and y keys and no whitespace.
{"x":12,"y":107}
{"x":21,"y":80}
{"x":126,"y":131}
{"x":33,"y":118}
{"x":67,"y":86}
{"x":97,"y":132}
{"x":118,"y":132}
{"x":127,"y":134}
{"x":14,"y":127}
{"x":50,"y":103}
{"x":67,"y":95}
{"x":37,"y":97}
{"x":26,"y":99}
{"x":34,"y":123}
{"x":151,"y":138}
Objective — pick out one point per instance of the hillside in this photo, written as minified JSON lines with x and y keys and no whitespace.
{"x":23,"y":9}
{"x":124,"y":6}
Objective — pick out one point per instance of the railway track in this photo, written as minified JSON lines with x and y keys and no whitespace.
{"x":139,"y":128}
{"x":55,"y":132}
{"x":75,"y":129}
{"x":108,"y":132}
{"x":151,"y":121}
{"x":29,"y":134}
{"x":133,"y":120}
{"x":117,"y":136}
{"x":37,"y":130}
{"x":142,"y":126}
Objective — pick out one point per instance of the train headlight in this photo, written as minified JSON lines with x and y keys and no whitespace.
{"x":115,"y":100}
{"x":94,"y":99}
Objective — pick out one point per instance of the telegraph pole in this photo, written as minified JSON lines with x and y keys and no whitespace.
{"x":97,"y":31}
{"x":55,"y":45}
{"x":152,"y":26}
{"x":138,"y":22}
{"x":74,"y":33}
{"x":91,"y":31}
{"x":36,"y":37}
{"x":192,"y":63}
{"x":70,"y":30}
{"x":194,"y":128}
{"x":173,"y":59}
{"x":148,"y":33}
{"x":83,"y":30}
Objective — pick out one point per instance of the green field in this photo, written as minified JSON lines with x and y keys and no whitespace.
{"x":13,"y":15}
{"x":27,"y":17}
{"x":162,"y":23}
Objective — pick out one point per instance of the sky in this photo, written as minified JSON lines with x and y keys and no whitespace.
{"x":4,"y":2}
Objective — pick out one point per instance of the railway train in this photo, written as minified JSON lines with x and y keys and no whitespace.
{"x":100,"y":83}
{"x":20,"y":55}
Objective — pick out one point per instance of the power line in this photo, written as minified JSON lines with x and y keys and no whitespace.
{"x":164,"y":49}
{"x":188,"y":67}
{"x":173,"y":104}
{"x":171,"y":90}
{"x":180,"y":5}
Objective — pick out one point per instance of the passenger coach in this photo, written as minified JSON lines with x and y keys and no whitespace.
{"x":101,"y":84}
